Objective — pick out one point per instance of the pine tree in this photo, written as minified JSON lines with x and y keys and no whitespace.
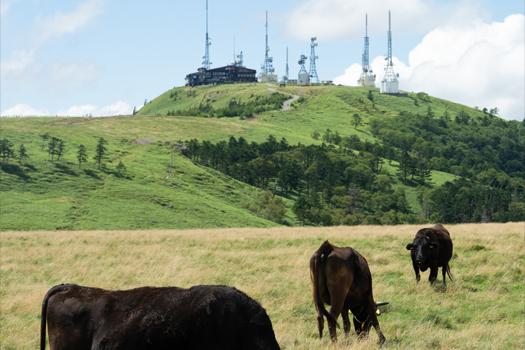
{"x":357,"y":120}
{"x":6,"y":150}
{"x":22,"y":154}
{"x":121,"y":169}
{"x":100,"y":151}
{"x":52,"y":147}
{"x":60,"y":149}
{"x":81,"y":155}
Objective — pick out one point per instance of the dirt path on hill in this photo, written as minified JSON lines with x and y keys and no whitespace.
{"x":287,"y":105}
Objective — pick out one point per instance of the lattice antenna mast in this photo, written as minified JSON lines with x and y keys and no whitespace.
{"x":366,"y":52}
{"x":240,"y":59}
{"x":389,"y":55}
{"x":390,"y":83}
{"x":234,"y":52}
{"x":267,"y":67}
{"x":287,"y":66}
{"x":206,"y":63}
{"x":314,"y":78}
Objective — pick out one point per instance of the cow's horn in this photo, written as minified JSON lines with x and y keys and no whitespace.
{"x":382,"y":303}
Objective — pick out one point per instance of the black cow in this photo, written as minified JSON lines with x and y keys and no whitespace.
{"x":431,"y":248}
{"x":201,"y":317}
{"x":341,"y":278}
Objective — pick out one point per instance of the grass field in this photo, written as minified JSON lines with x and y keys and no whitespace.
{"x":484,"y":308}
{"x":49,"y":196}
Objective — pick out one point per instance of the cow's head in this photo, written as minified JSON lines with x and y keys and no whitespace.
{"x":422,"y":248}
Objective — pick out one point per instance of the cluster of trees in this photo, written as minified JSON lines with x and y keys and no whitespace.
{"x":462,"y":145}
{"x":8,"y":152}
{"x":329,"y":184}
{"x":55,"y":147}
{"x":344,"y":182}
{"x":235,"y":107}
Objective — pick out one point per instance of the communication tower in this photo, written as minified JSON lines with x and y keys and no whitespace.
{"x":268,"y":72}
{"x":390,"y":83}
{"x":287,"y":69}
{"x":367,"y":77}
{"x":303,"y":77}
{"x":206,"y":63}
{"x":314,"y":78}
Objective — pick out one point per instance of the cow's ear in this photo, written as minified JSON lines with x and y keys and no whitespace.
{"x":410,"y":246}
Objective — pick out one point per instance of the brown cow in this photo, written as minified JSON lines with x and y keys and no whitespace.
{"x":431,"y":248}
{"x":201,"y":317}
{"x":341,"y":278}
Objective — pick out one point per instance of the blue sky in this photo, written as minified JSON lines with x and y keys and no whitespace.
{"x":105,"y":56}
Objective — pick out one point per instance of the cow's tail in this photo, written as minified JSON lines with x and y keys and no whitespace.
{"x":49,"y":294}
{"x":318,"y":262}
{"x":449,"y":273}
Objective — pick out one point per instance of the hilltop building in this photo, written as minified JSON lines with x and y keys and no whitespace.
{"x":233,"y":73}
{"x":222,"y":75}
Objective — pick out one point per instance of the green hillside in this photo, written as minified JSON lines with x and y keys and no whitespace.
{"x":160,"y":188}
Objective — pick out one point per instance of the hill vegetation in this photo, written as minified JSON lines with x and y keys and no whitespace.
{"x":481,"y":309}
{"x":349,"y":155}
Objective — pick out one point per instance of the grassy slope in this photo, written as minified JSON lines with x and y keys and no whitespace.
{"x":62,"y":196}
{"x":69,"y":198}
{"x":482,"y":308}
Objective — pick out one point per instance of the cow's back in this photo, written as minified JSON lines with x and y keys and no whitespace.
{"x":202,"y":317}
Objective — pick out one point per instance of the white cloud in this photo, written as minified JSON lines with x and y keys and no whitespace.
{"x":68,"y":22}
{"x":332,"y":19}
{"x":48,"y":28}
{"x":114,"y":109}
{"x":479,"y":65}
{"x":117,"y":108}
{"x":20,"y":61}
{"x":22,"y":110}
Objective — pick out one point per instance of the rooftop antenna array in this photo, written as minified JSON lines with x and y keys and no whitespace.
{"x":390,"y":83}
{"x":206,"y":63}
{"x":367,"y":77}
{"x":268,"y":72}
{"x":314,"y":78}
{"x":303,"y":78}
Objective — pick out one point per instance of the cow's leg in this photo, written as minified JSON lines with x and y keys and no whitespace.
{"x":320,"y":324}
{"x":337,"y":298}
{"x":444,"y":273}
{"x":416,"y":270}
{"x":433,"y":274}
{"x":346,"y":321}
{"x":380,"y":335}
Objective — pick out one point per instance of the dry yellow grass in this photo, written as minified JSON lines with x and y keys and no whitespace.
{"x":484,"y":308}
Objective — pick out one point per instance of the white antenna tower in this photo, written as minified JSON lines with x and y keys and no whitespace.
{"x":268,"y":72}
{"x":206,"y":63}
{"x":287,"y":75}
{"x":390,"y":83}
{"x":367,"y":77}
{"x":303,"y":78}
{"x":314,"y":78}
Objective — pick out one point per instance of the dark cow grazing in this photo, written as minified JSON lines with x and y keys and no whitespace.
{"x":201,"y":317}
{"x":341,"y":278}
{"x":431,"y":248}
